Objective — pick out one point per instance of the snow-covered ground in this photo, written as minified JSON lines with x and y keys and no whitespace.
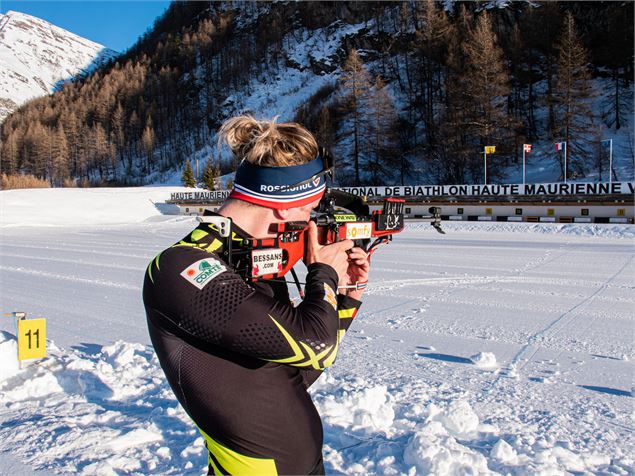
{"x":494,"y":349}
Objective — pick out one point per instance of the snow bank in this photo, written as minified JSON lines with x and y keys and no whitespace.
{"x":8,"y":356}
{"x":433,"y":451}
{"x":81,"y":206}
{"x":108,"y":410}
{"x":366,"y":410}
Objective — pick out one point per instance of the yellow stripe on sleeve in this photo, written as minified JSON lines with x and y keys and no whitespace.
{"x":344,"y":313}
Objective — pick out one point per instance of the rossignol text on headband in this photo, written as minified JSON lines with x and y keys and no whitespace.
{"x":282,"y":187}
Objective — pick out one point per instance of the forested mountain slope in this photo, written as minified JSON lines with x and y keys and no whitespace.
{"x":402,"y":92}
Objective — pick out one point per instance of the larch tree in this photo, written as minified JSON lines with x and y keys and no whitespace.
{"x":98,"y":149}
{"x":147,"y":144}
{"x":432,"y":33}
{"x":485,"y":88}
{"x":451,"y":160}
{"x":59,"y":157}
{"x":117,"y":124}
{"x":573,"y":90}
{"x":356,"y":83}
{"x":324,"y":130}
{"x":37,"y":145}
{"x":540,"y":32}
{"x":517,"y":99}
{"x":382,"y":122}
{"x":71,"y":129}
{"x":10,"y":154}
{"x":133,"y":131}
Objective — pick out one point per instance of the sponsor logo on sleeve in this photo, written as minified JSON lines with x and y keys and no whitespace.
{"x":202,"y":272}
{"x":329,"y":296}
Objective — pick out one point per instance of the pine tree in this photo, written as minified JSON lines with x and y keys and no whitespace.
{"x":209,"y":176}
{"x":187,"y":179}
{"x":356,"y":83}
{"x":575,"y":124}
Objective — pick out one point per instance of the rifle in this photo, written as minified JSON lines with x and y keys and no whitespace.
{"x":339,"y":216}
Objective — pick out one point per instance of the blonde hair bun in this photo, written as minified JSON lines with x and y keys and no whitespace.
{"x":266,"y":142}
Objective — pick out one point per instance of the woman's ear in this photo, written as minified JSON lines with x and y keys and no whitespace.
{"x":281,"y":214}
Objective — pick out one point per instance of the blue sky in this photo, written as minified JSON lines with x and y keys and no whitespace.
{"x":114,"y":24}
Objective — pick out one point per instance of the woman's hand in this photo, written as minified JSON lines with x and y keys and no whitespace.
{"x":335,"y":254}
{"x":357,"y":272}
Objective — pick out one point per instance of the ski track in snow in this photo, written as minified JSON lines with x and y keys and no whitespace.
{"x":563,"y":321}
{"x":83,"y":248}
{"x":95,"y":282}
{"x":50,"y":259}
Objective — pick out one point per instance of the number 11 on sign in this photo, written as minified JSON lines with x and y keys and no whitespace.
{"x":31,"y":339}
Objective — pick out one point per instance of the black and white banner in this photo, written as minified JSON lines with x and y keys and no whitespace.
{"x":422,"y":191}
{"x":546,"y":189}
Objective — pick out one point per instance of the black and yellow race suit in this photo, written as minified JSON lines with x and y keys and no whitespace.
{"x":240,"y":357}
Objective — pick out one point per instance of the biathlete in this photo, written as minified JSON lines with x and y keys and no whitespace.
{"x":238,"y":355}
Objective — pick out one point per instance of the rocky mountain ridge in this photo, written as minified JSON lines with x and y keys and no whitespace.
{"x":37,"y":56}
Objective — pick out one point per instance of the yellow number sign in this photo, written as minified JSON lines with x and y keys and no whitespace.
{"x":31,"y":339}
{"x":490,"y":149}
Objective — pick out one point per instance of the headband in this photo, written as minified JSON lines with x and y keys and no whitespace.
{"x":279,"y":187}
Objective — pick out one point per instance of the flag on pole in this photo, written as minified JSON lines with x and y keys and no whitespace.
{"x":527,"y":148}
{"x":490,"y":149}
{"x":560,"y":145}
